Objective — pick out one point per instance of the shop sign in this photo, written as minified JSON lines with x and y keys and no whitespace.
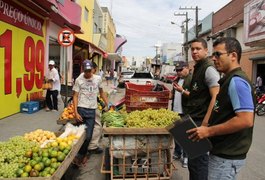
{"x":254,"y":21}
{"x":22,"y":49}
{"x":11,"y":13}
{"x":66,"y":37}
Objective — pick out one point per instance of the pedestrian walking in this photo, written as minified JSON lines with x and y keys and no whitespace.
{"x":259,"y":83}
{"x":179,"y":101}
{"x":115,"y":78}
{"x":203,"y":90}
{"x":52,"y":94}
{"x":101,"y":73}
{"x":107,"y":76}
{"x":231,"y":123}
{"x":86,"y":88}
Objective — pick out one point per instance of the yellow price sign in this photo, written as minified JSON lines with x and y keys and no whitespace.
{"x":22,"y":50}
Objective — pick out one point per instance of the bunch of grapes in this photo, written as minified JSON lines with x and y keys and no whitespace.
{"x":151,"y":118}
{"x":12,"y":155}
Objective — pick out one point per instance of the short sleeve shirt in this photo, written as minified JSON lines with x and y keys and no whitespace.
{"x":239,"y":92}
{"x":212,"y":77}
{"x":88,"y":90}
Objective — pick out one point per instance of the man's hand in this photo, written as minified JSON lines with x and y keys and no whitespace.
{"x":196,"y":134}
{"x":78,"y":117}
{"x":177,"y":87}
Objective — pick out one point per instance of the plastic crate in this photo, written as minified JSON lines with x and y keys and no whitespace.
{"x":140,"y":97}
{"x":29,"y":107}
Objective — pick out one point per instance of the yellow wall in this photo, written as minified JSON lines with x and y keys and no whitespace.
{"x":86,"y":26}
{"x":110,"y":33}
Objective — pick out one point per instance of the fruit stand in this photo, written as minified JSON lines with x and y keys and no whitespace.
{"x":59,"y":154}
{"x":138,"y":153}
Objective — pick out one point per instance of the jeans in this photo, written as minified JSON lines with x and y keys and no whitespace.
{"x":88,"y":116}
{"x":224,"y":169}
{"x":52,"y":104}
{"x":94,"y":142}
{"x":198,"y":167}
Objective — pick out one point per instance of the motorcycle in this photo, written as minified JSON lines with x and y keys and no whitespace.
{"x":260,"y":108}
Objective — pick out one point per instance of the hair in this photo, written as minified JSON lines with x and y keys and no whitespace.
{"x":231,"y":45}
{"x":201,"y":40}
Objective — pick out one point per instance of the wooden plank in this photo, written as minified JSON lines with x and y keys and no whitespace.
{"x":69,"y":158}
{"x":134,"y":131}
{"x":65,"y":121}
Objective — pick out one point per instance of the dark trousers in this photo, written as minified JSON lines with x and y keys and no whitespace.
{"x":89,"y":116}
{"x":198,"y":167}
{"x":52,"y":100}
{"x":179,"y":151}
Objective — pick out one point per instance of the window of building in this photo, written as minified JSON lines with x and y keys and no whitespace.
{"x":86,"y":14}
{"x":95,"y":28}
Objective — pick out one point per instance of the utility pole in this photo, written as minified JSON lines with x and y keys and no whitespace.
{"x":186,"y":48}
{"x":196,"y":18}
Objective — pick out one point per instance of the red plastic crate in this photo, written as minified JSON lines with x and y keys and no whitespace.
{"x":140,"y":97}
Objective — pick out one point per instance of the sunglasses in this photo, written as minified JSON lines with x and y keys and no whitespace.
{"x":178,"y":70}
{"x":217,"y":54}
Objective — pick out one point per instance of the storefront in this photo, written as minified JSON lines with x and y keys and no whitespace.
{"x":254,"y":36}
{"x":86,"y":50}
{"x":28,"y":34}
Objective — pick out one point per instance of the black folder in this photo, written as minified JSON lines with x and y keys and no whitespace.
{"x":178,"y":130}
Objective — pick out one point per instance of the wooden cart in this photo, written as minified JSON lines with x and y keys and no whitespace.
{"x":141,"y":153}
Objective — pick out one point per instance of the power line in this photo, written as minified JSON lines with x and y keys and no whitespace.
{"x":196,"y":18}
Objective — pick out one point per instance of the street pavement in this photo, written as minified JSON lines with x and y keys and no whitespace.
{"x":21,"y":123}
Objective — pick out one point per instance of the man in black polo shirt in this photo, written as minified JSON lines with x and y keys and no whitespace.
{"x":202,"y":93}
{"x":232,"y":118}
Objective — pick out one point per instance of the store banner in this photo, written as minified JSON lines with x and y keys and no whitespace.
{"x":254,"y":21}
{"x":22,"y":51}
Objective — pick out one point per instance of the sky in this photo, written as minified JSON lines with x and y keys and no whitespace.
{"x":146,"y":23}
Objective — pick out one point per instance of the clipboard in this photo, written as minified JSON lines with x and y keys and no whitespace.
{"x":193,"y":149}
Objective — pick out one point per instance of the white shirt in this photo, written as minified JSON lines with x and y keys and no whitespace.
{"x":54,"y":75}
{"x":115,"y":74}
{"x":88,"y":90}
{"x":177,"y":106}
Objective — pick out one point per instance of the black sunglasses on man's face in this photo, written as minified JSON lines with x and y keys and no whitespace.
{"x":217,"y":54}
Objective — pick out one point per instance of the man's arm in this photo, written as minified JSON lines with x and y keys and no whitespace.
{"x":104,"y":97}
{"x":75,"y":102}
{"x":213,"y":92}
{"x":242,"y":120}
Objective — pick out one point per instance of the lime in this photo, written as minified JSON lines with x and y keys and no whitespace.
{"x":53,"y":160}
{"x":19,"y":172}
{"x":27,"y":168}
{"x":47,"y":162}
{"x":33,"y":162}
{"x":25,"y":174}
{"x":38,"y":167}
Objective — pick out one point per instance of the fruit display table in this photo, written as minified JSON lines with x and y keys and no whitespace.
{"x":64,"y":165}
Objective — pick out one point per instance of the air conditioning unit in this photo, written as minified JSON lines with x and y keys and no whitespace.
{"x":231,"y":32}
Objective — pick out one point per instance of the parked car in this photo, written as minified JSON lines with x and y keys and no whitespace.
{"x":169,"y":77}
{"x":138,"y":78}
{"x":125,"y":75}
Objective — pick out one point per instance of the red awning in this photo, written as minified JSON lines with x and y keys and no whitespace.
{"x":60,"y":14}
